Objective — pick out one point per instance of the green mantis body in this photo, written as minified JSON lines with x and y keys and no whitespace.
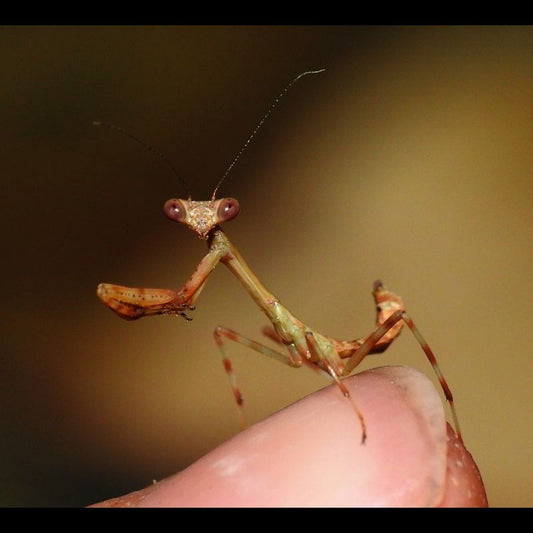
{"x":298,"y":343}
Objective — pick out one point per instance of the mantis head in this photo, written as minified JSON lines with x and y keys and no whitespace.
{"x":201,"y":217}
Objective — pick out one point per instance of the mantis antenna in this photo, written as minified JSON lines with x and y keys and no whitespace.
{"x":150,"y":148}
{"x":261,"y":122}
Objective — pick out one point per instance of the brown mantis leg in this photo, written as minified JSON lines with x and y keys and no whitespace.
{"x":374,"y":344}
{"x":315,"y":350}
{"x":292,"y":358}
{"x":132,"y":303}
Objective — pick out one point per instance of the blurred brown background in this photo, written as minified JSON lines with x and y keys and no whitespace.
{"x":409,"y":159}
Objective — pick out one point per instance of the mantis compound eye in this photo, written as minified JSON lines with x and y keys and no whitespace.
{"x":175,"y":210}
{"x":228,"y":209}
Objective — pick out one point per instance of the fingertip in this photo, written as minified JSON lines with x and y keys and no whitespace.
{"x":310,"y":453}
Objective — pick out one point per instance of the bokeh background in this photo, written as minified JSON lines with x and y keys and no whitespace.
{"x":409,"y":159}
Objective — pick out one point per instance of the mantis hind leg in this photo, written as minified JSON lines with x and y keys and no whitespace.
{"x":381,"y":338}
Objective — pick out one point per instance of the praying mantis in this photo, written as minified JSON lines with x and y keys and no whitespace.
{"x":298,"y":344}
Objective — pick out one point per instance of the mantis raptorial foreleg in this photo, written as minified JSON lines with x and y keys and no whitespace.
{"x":132,"y":303}
{"x":300,"y":344}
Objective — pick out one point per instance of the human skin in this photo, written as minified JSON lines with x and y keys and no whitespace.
{"x":311,"y":454}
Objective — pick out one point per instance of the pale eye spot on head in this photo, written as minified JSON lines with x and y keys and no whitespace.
{"x":228,"y":209}
{"x":175,"y":210}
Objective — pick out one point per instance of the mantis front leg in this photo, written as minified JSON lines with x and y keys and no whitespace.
{"x":131,"y":303}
